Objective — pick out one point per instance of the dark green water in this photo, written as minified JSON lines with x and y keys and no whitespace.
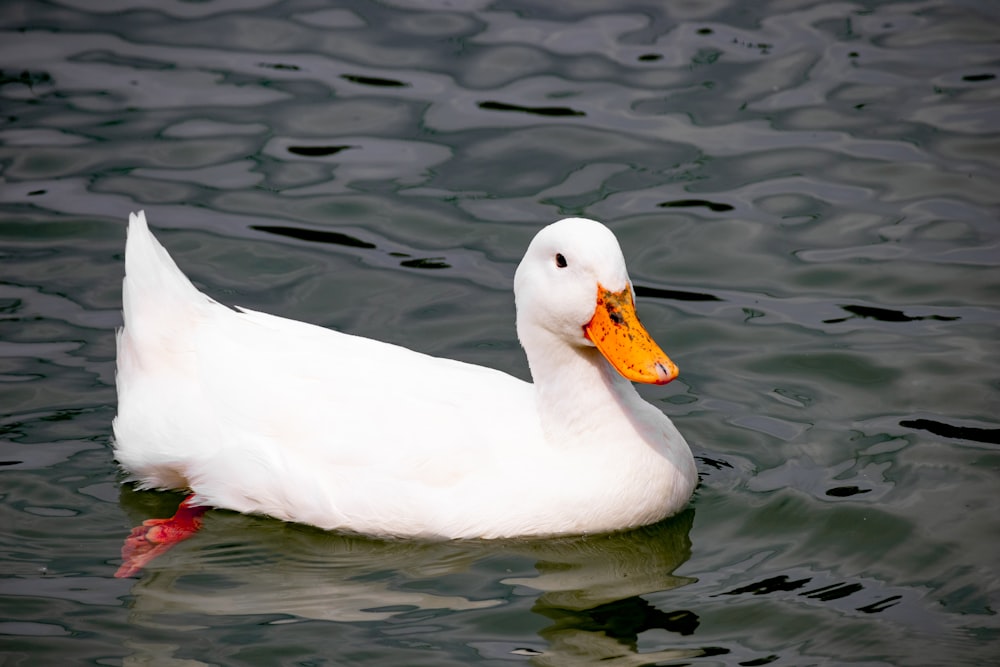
{"x":807,"y":196}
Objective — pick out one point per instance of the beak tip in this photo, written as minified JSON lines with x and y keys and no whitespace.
{"x":665,"y":372}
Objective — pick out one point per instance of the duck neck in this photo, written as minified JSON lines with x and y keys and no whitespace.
{"x":579,"y":395}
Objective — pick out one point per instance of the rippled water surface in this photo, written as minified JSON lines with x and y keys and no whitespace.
{"x":806,"y":193}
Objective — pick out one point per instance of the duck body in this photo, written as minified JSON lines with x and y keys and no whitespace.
{"x":261,"y":414}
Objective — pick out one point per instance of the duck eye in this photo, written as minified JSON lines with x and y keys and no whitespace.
{"x":560,"y":260}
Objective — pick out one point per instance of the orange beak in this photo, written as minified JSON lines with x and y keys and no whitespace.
{"x":615,"y":331}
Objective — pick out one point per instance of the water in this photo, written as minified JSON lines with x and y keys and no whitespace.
{"x":805,"y":193}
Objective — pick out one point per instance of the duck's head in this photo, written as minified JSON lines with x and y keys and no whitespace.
{"x":572,"y":284}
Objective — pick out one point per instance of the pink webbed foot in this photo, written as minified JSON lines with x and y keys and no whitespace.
{"x":155,"y":537}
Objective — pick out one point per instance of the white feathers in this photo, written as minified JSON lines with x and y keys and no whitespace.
{"x":258,"y":413}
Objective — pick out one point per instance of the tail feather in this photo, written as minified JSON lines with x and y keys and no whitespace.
{"x":161,"y":309}
{"x":149,"y":270}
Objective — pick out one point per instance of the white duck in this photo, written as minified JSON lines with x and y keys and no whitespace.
{"x":261,"y":414}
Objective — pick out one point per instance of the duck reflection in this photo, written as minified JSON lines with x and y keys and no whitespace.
{"x":589,"y":589}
